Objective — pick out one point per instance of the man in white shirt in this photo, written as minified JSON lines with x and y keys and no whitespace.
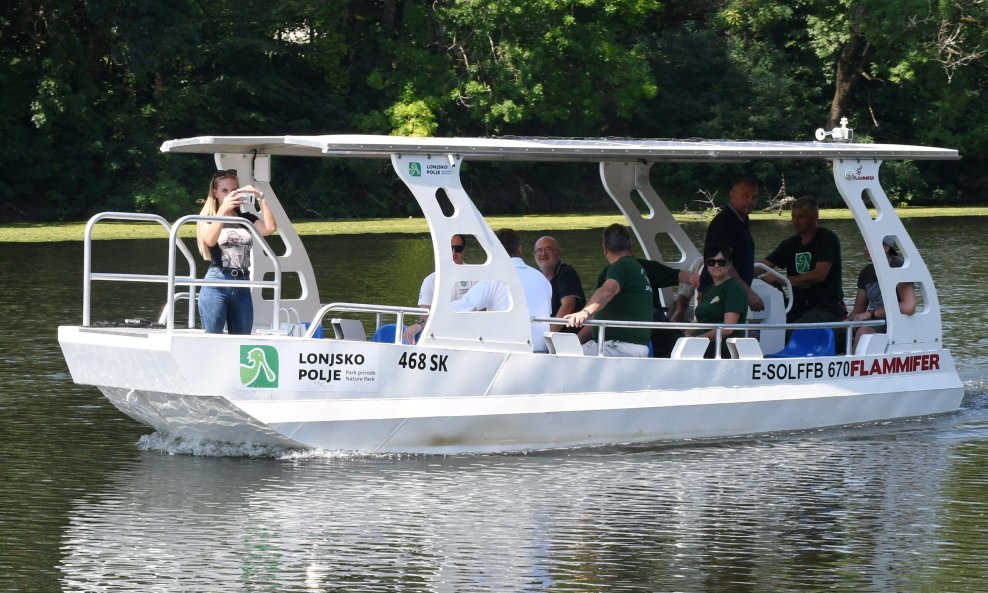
{"x":458,"y":244}
{"x":492,"y":295}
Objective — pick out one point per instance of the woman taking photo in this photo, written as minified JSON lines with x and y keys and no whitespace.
{"x":722,"y":301}
{"x":227,"y":249}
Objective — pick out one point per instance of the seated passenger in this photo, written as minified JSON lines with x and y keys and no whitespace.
{"x":868,"y":303}
{"x":567,"y":289}
{"x":812,"y":261}
{"x":458,"y":244}
{"x":623,"y":293}
{"x":724,"y":300}
{"x":492,"y":295}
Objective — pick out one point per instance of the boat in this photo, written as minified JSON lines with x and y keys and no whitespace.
{"x":473,"y":382}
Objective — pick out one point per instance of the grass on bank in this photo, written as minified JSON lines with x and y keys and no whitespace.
{"x":74,"y":231}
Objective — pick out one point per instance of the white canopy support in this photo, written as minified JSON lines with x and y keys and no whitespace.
{"x":621,"y":180}
{"x":858,"y":183}
{"x":255,"y":170}
{"x":428,"y":177}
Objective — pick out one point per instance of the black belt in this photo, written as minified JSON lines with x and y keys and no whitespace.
{"x":235,"y":272}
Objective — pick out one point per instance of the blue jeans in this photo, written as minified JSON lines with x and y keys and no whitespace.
{"x":227,"y":306}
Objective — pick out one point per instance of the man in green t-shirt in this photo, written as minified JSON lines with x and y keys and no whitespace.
{"x":623,"y":293}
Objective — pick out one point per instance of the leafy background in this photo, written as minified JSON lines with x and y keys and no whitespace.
{"x":92,"y":88}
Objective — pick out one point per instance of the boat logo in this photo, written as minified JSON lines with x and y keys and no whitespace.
{"x":856,"y":175}
{"x":415,"y":169}
{"x":803,"y":260}
{"x":259,"y":366}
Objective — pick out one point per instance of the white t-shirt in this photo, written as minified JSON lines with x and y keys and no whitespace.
{"x":429,"y":288}
{"x":493,"y":296}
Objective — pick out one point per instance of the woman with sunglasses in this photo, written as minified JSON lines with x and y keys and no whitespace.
{"x":722,"y":301}
{"x":227,"y":249}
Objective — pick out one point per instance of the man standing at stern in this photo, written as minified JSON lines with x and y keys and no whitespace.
{"x":730,"y":228}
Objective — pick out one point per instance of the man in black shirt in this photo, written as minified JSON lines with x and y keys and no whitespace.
{"x":812,"y":261}
{"x":567,"y":290}
{"x":730,"y":227}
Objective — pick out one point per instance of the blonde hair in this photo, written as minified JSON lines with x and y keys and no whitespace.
{"x":210,"y":207}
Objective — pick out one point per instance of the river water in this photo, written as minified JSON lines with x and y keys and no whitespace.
{"x":92,"y":501}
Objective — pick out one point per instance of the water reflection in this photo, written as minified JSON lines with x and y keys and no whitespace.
{"x":895,"y":507}
{"x":862,"y":510}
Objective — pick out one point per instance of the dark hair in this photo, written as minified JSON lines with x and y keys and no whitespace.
{"x":462,"y":238}
{"x":617,"y":238}
{"x":806,"y":201}
{"x":712,"y":250}
{"x":510,"y":240}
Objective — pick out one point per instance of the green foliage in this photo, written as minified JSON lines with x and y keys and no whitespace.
{"x":92,"y":88}
{"x":169,"y":199}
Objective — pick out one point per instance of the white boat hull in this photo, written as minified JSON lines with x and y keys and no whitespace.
{"x":369,"y":397}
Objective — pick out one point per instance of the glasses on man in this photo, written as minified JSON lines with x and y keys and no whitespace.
{"x":542,"y":250}
{"x":722,"y":263}
{"x":458,"y":248}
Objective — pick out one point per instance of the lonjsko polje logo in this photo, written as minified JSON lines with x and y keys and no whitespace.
{"x":259,"y":366}
{"x":415,"y":169}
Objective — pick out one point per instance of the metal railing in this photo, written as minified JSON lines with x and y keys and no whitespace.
{"x":275,"y":284}
{"x":175,"y":246}
{"x":718,"y":327}
{"x":378,"y":310}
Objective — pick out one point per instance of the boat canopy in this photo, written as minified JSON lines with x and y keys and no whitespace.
{"x":430,"y":168}
{"x":552,"y":149}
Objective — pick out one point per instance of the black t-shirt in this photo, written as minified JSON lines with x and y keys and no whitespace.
{"x":799,"y":259}
{"x":730,"y":229}
{"x":566,"y":283}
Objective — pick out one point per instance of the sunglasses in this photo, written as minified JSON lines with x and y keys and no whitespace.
{"x":718,"y":262}
{"x":225,"y":173}
{"x":458,"y":248}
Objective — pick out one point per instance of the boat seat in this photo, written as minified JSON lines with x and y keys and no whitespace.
{"x":563,"y":343}
{"x":871,"y":344}
{"x":690,"y":348}
{"x":744,"y":348}
{"x":386,"y":334}
{"x":808,"y":342}
{"x":349,"y":329}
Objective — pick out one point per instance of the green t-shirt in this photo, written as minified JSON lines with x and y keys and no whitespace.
{"x":633,"y":303}
{"x":717,"y":300}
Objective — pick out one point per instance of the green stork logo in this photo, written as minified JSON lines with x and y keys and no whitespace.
{"x":803,"y":261}
{"x":259,"y":366}
{"x":415,"y":169}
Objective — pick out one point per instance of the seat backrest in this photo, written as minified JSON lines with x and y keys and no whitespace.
{"x":744,"y":348}
{"x":349,"y":329}
{"x":386,"y":334}
{"x":811,"y":342}
{"x":870,"y":344}
{"x":563,"y":343}
{"x":770,"y":340}
{"x":690,"y":348}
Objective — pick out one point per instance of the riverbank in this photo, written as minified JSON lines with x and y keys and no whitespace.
{"x":74,"y":231}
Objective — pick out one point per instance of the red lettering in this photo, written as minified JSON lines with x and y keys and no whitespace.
{"x":935,"y":361}
{"x":855,"y":367}
{"x":876,"y":368}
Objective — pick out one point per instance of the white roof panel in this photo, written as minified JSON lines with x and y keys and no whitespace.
{"x":553,"y":149}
